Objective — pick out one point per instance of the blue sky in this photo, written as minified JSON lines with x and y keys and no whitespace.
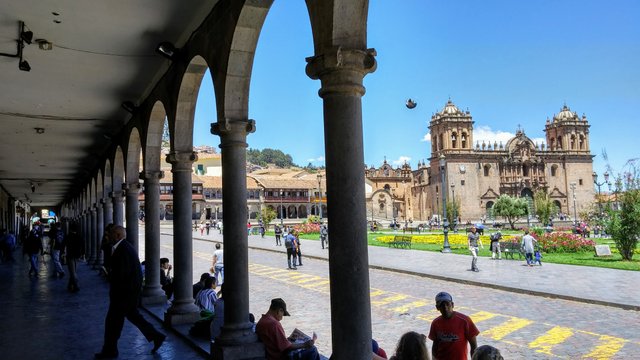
{"x":508,"y":62}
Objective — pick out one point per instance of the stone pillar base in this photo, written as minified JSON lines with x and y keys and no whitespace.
{"x":153,"y":299}
{"x":178,"y":319}
{"x":249,"y":351}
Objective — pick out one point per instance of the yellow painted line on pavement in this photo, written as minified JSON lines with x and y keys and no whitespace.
{"x":412,"y":305}
{"x":376,"y":292}
{"x":482,"y":316}
{"x":389,"y":299}
{"x":506,"y":328}
{"x":609,"y":346}
{"x":551,"y":338}
{"x":318,"y":284}
{"x":429,"y":316}
{"x":313,"y":278}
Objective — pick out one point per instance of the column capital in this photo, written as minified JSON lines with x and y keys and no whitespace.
{"x":229,"y":126}
{"x":181,"y":160}
{"x":151,"y":175}
{"x":341,"y":70}
{"x":117,"y":194}
{"x":132,"y":188}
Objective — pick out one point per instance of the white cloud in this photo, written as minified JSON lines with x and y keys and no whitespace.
{"x":484,"y":133}
{"x":319,"y":159}
{"x":426,"y":137}
{"x":401,"y":160}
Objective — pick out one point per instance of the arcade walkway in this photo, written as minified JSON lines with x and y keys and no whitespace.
{"x":40,"y":319}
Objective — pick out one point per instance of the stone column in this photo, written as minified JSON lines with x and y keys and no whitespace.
{"x":133,"y":208}
{"x":152,"y":292}
{"x":93,"y":247}
{"x":341,"y":72}
{"x":108,"y":211}
{"x":237,"y":328}
{"x":118,"y":200}
{"x":86,"y":234}
{"x":182,"y":309}
{"x":100,"y":227}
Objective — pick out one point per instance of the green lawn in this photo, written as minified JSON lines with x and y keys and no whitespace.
{"x":582,"y":259}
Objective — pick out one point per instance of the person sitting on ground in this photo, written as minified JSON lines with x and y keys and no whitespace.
{"x":200,"y":284}
{"x":378,"y":352}
{"x":411,"y":346}
{"x":271,"y":333}
{"x":165,"y":277}
{"x":487,"y":352}
{"x":207,"y":297}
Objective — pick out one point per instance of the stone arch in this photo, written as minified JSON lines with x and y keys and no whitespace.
{"x":302,"y":211}
{"x":118,"y":170}
{"x":454,"y":139}
{"x":100,"y":184}
{"x":292,"y":212}
{"x":153,"y":145}
{"x":489,"y":208}
{"x":134,"y":149}
{"x":108,"y":178}
{"x":486,"y":169}
{"x":558,"y":205}
{"x":182,"y":127}
{"x":554,"y":170}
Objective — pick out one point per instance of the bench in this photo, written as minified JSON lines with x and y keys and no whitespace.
{"x":411,"y":230}
{"x":401,"y":242}
{"x":510,"y":248}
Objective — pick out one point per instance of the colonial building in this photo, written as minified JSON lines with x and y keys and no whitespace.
{"x":478,"y":175}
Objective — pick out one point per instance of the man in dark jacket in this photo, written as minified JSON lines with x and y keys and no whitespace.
{"x":125,"y":281}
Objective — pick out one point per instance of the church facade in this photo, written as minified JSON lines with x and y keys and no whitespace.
{"x":476,"y":174}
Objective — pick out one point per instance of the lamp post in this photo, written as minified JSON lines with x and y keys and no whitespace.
{"x":599,"y":184}
{"x":446,"y":248}
{"x":575,"y":213}
{"x":320,"y":197}
{"x":453,"y":207}
{"x":281,"y":193}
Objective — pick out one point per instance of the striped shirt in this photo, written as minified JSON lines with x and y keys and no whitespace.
{"x":206,"y":298}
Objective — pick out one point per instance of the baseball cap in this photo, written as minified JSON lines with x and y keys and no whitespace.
{"x":443,"y":296}
{"x":278,"y":303}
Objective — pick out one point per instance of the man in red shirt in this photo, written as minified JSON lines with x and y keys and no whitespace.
{"x":271,"y":333}
{"x":451,"y":331}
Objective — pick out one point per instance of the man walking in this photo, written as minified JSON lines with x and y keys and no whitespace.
{"x":528,"y":244}
{"x":278,"y":232}
{"x":125,"y":281}
{"x":324,"y":235}
{"x":474,"y":240}
{"x":290,"y":244}
{"x":218,"y":265}
{"x":451,"y":331}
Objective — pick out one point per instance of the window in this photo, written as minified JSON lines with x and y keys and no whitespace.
{"x":554,"y":170}
{"x":580,"y":182}
{"x":461,"y":182}
{"x":463,"y":138}
{"x":486,"y":170}
{"x":454,"y":140}
{"x":581,"y":142}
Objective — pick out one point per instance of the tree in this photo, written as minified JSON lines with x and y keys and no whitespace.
{"x":269,"y":156}
{"x":544,"y":206}
{"x":624,"y":224}
{"x":510,"y":208}
{"x":268,"y":214}
{"x":453,"y":209}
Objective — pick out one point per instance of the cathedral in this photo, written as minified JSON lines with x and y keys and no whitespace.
{"x":476,"y":174}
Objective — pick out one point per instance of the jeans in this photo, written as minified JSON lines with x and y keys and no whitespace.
{"x":291,"y":252}
{"x":219,"y":273}
{"x":474,"y":261}
{"x":33,"y":259}
{"x":310,"y":353}
{"x":529,"y":257}
{"x":56,"y":261}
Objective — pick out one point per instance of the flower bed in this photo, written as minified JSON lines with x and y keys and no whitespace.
{"x":436,"y":239}
{"x":562,"y":242}
{"x":308,"y":228}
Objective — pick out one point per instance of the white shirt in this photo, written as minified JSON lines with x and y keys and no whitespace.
{"x":219,"y":255}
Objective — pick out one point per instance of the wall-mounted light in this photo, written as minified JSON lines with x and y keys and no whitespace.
{"x":39,"y":130}
{"x":167,"y":49}
{"x":33,"y":188}
{"x":23,"y":37}
{"x":44,"y":44}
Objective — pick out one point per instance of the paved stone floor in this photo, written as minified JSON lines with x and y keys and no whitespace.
{"x":41,"y":320}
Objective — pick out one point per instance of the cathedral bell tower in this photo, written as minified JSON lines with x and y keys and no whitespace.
{"x":568,"y":133}
{"x":451,"y":131}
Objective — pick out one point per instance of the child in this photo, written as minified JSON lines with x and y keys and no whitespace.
{"x":537,"y":256}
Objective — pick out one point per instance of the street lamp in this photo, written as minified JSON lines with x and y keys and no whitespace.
{"x":320,"y":197}
{"x":281,"y":193}
{"x":446,"y":248}
{"x":575,"y":213}
{"x":599,"y":184}
{"x":453,"y":208}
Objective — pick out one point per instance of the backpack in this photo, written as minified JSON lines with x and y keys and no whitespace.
{"x":288,"y":243}
{"x":59,"y":237}
{"x":495,"y":236}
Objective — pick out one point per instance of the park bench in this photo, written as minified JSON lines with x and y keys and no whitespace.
{"x":510,"y":248}
{"x":411,"y":230}
{"x":401,"y":242}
